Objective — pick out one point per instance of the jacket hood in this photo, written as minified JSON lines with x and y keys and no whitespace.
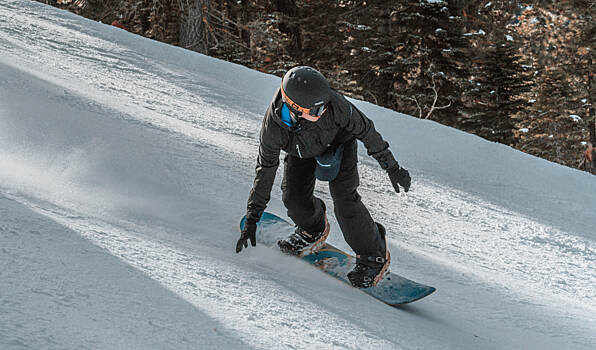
{"x":275,"y":109}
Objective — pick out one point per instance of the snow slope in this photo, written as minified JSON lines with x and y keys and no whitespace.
{"x":125,"y":165}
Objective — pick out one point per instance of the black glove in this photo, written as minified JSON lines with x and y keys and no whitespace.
{"x":399,"y":176}
{"x":249,"y":231}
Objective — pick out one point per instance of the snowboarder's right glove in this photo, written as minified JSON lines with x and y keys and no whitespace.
{"x":249,"y":232}
{"x":399,"y":176}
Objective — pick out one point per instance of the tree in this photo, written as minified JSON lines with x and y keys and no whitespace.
{"x":428,"y":62}
{"x":498,"y":94}
{"x":555,"y":126}
{"x":549,"y":129}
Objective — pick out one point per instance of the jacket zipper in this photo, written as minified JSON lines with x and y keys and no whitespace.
{"x":296,"y":129}
{"x":298,"y":149}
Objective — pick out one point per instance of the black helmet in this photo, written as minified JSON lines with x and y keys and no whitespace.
{"x":305,"y":88}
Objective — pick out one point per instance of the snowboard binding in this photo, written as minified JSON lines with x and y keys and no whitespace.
{"x":302,"y":242}
{"x":370,"y":270}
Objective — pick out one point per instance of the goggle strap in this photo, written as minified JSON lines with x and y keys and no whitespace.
{"x":293,"y":105}
{"x":300,"y":111}
{"x":297,"y":108}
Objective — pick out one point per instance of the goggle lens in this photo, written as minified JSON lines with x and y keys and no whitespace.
{"x":316,"y":112}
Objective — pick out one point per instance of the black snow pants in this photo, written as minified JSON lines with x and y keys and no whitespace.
{"x":306,"y":210}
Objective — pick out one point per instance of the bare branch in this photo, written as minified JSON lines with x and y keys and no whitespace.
{"x":436,"y":97}
{"x":417,"y":106}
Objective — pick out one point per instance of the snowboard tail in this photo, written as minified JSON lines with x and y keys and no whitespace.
{"x":393,"y":289}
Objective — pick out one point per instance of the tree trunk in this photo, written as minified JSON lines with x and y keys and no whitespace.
{"x":288,"y":24}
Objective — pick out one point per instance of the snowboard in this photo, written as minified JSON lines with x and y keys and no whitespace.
{"x":393,"y":289}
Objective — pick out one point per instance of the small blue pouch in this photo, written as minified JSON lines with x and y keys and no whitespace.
{"x":328,"y":164}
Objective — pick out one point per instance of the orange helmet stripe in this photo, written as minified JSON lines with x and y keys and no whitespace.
{"x":293,"y":104}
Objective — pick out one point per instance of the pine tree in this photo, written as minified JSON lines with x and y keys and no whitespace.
{"x":429,"y":61}
{"x":499,"y":93}
{"x":554,"y":125}
{"x":549,"y":128}
{"x":583,"y":13}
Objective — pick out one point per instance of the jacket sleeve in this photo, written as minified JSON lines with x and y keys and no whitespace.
{"x":266,"y":169}
{"x":352,"y":119}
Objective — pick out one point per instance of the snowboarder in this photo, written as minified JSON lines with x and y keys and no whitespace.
{"x":318,"y":127}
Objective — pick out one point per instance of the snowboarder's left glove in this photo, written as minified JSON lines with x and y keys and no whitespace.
{"x":249,"y":232}
{"x":399,"y":176}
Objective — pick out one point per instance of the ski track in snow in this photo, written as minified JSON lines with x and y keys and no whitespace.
{"x":229,"y":293}
{"x":441,"y":236}
{"x":66,"y":293}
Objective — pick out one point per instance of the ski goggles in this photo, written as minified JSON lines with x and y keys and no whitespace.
{"x":312,"y":114}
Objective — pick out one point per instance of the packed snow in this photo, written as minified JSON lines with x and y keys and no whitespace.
{"x":125,"y":166}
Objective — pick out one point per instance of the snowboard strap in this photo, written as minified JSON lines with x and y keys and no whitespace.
{"x":374,"y":262}
{"x":371,"y":260}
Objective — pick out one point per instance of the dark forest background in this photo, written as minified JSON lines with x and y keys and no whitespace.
{"x":514,"y":72}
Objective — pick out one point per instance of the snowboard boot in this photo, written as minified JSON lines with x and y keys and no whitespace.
{"x":302,"y":242}
{"x":370,"y":270}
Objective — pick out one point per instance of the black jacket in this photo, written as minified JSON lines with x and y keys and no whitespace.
{"x":341,"y":122}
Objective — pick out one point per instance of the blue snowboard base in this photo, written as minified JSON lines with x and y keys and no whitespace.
{"x":393,"y":290}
